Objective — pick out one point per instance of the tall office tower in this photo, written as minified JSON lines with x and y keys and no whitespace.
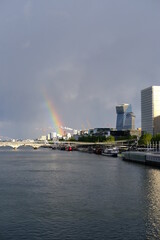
{"x":150,"y":108}
{"x":125,"y":117}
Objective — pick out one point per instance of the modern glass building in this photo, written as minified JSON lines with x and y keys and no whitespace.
{"x":125,"y":117}
{"x":150,"y":108}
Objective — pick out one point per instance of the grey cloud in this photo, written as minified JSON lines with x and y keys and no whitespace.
{"x":87,"y":55}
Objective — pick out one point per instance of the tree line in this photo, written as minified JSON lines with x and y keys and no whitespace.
{"x":147,"y":138}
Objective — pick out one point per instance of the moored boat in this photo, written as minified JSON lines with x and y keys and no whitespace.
{"x":69,"y":148}
{"x":111,"y":152}
{"x":97,"y":151}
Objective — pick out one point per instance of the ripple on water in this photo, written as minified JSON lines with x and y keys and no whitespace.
{"x":56,"y":195}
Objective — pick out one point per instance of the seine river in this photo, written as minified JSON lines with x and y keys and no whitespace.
{"x":51,"y":194}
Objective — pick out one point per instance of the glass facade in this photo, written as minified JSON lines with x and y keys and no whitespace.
{"x":125,"y":117}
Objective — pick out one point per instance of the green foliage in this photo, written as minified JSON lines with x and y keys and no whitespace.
{"x":110,"y":139}
{"x":61,"y":139}
{"x":156,"y":138}
{"x":72,"y":139}
{"x":133,"y":137}
{"x":145,"y":139}
{"x":126,"y":138}
{"x":92,"y":139}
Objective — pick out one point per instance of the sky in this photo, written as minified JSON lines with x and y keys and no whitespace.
{"x":84,"y":56}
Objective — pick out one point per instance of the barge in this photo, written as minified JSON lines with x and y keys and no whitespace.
{"x":147,"y":158}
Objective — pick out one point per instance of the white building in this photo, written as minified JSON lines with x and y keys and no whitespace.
{"x":150,"y":108}
{"x":43,"y":138}
{"x":75,"y":131}
{"x":48,"y":136}
{"x":53,"y":135}
{"x":59,"y":136}
{"x":69,"y":135}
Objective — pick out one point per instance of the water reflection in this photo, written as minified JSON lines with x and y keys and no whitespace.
{"x":76,"y":196}
{"x":153,"y":204}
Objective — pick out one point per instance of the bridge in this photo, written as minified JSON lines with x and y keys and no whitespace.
{"x":36,"y":145}
{"x":18,"y":144}
{"x":115,"y":143}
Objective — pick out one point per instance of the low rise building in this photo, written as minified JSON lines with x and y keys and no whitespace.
{"x":125,"y":133}
{"x":101,"y":132}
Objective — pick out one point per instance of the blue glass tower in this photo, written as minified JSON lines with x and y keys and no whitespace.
{"x":125,"y":117}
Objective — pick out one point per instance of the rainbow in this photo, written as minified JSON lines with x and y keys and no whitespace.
{"x":54,"y":116}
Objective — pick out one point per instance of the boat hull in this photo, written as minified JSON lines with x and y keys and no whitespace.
{"x":110,"y":154}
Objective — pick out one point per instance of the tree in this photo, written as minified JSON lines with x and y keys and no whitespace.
{"x":156,"y":138}
{"x":145,"y":139}
{"x":72,"y":139}
{"x":110,"y":139}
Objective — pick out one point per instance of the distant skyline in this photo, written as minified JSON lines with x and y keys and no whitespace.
{"x":88,"y":56}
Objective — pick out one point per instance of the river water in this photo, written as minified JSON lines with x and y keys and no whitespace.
{"x":51,"y":194}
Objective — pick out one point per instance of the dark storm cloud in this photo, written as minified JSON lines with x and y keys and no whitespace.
{"x":87,"y":55}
